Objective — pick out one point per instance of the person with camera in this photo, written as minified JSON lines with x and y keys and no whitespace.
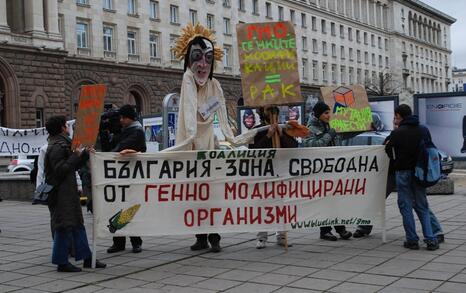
{"x":67,"y":222}
{"x":132,"y":139}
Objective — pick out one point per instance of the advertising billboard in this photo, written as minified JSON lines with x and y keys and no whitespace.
{"x":383,"y":111}
{"x":445,"y":116}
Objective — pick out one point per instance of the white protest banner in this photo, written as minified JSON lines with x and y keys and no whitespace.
{"x":15,"y":142}
{"x":21,"y":141}
{"x":170,"y":193}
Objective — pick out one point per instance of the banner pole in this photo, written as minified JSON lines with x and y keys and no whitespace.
{"x":94,"y":243}
{"x":276,"y":144}
{"x":384,"y":225}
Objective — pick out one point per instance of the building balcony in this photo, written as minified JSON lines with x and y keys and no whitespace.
{"x":133,"y":58}
{"x":84,"y":51}
{"x":109,"y":55}
{"x":155,"y":61}
{"x":405,"y":72}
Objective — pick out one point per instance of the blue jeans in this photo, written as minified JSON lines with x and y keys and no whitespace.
{"x":62,"y":242}
{"x":413,"y":196}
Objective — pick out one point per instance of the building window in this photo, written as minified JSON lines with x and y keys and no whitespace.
{"x":226,"y":3}
{"x":350,"y":75}
{"x":350,"y":54}
{"x":154,"y":45}
{"x":173,"y":39}
{"x":324,"y":48}
{"x":372,"y":40}
{"x":268,"y":9}
{"x":83,"y":2}
{"x":108,"y":4}
{"x":226,"y":26}
{"x":358,"y":36}
{"x":241,"y":5}
{"x":108,"y":38}
{"x":350,"y":34}
{"x":255,"y":7}
{"x":132,"y":7}
{"x":314,"y":70}
{"x":379,"y":41}
{"x":210,"y":21}
{"x":82,"y":35}
{"x":334,"y":73}
{"x":323,"y":26}
{"x":314,"y":23}
{"x":292,"y":16}
{"x":342,"y":32}
{"x":304,"y":43}
{"x":324,"y":71}
{"x":365,"y":38}
{"x":314,"y":46}
{"x":342,"y":74}
{"x":193,"y":16}
{"x":342,"y":53}
{"x":333,"y":29}
{"x":174,"y":14}
{"x":373,"y":59}
{"x":154,"y":9}
{"x":334,"y":51}
{"x":358,"y":56}
{"x":387,"y":64}
{"x":227,"y":57}
{"x":132,"y":43}
{"x":380,"y":61}
{"x":303,"y":20}
{"x":39,"y":117}
{"x":280,"y":13}
{"x":304,"y":69}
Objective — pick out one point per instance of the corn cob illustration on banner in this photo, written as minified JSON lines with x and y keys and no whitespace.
{"x":122,"y":218}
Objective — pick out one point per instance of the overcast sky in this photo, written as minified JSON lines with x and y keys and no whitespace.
{"x":456,"y":9}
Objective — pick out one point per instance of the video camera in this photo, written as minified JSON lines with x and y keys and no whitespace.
{"x":109,"y":128}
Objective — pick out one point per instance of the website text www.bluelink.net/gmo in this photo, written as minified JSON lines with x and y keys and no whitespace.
{"x":330,"y":222}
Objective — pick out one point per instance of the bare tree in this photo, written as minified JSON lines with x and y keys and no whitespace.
{"x":382,"y":85}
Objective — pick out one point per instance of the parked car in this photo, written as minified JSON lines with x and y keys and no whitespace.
{"x":378,"y":137}
{"x":21,"y":164}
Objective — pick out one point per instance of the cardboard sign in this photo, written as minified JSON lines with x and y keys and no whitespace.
{"x":349,"y":106}
{"x":91,"y":105}
{"x":174,"y":193}
{"x":268,"y":63}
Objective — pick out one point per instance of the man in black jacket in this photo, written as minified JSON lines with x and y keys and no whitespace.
{"x":131,"y":138}
{"x":403,"y":148}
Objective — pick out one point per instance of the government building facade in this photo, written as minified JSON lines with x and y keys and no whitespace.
{"x":50,"y":48}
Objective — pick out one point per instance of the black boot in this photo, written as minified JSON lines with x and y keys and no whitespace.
{"x":98,"y":265}
{"x":201,"y":242}
{"x":68,"y":268}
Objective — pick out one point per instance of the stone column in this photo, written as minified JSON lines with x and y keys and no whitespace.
{"x":34,"y":16}
{"x":3,"y":23}
{"x":52,"y":17}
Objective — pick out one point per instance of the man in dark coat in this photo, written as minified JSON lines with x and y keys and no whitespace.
{"x":67,"y":223}
{"x":403,"y":149}
{"x":131,"y":139}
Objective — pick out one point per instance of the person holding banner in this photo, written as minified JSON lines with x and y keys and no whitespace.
{"x":201,"y":97}
{"x":132,"y":139}
{"x":263,"y":140}
{"x":67,"y":223}
{"x":322,"y":135}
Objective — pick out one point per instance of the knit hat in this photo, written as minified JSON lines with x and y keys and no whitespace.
{"x":128,"y":112}
{"x":320,"y":108}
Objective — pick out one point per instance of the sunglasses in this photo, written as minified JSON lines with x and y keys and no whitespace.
{"x":196,"y":55}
